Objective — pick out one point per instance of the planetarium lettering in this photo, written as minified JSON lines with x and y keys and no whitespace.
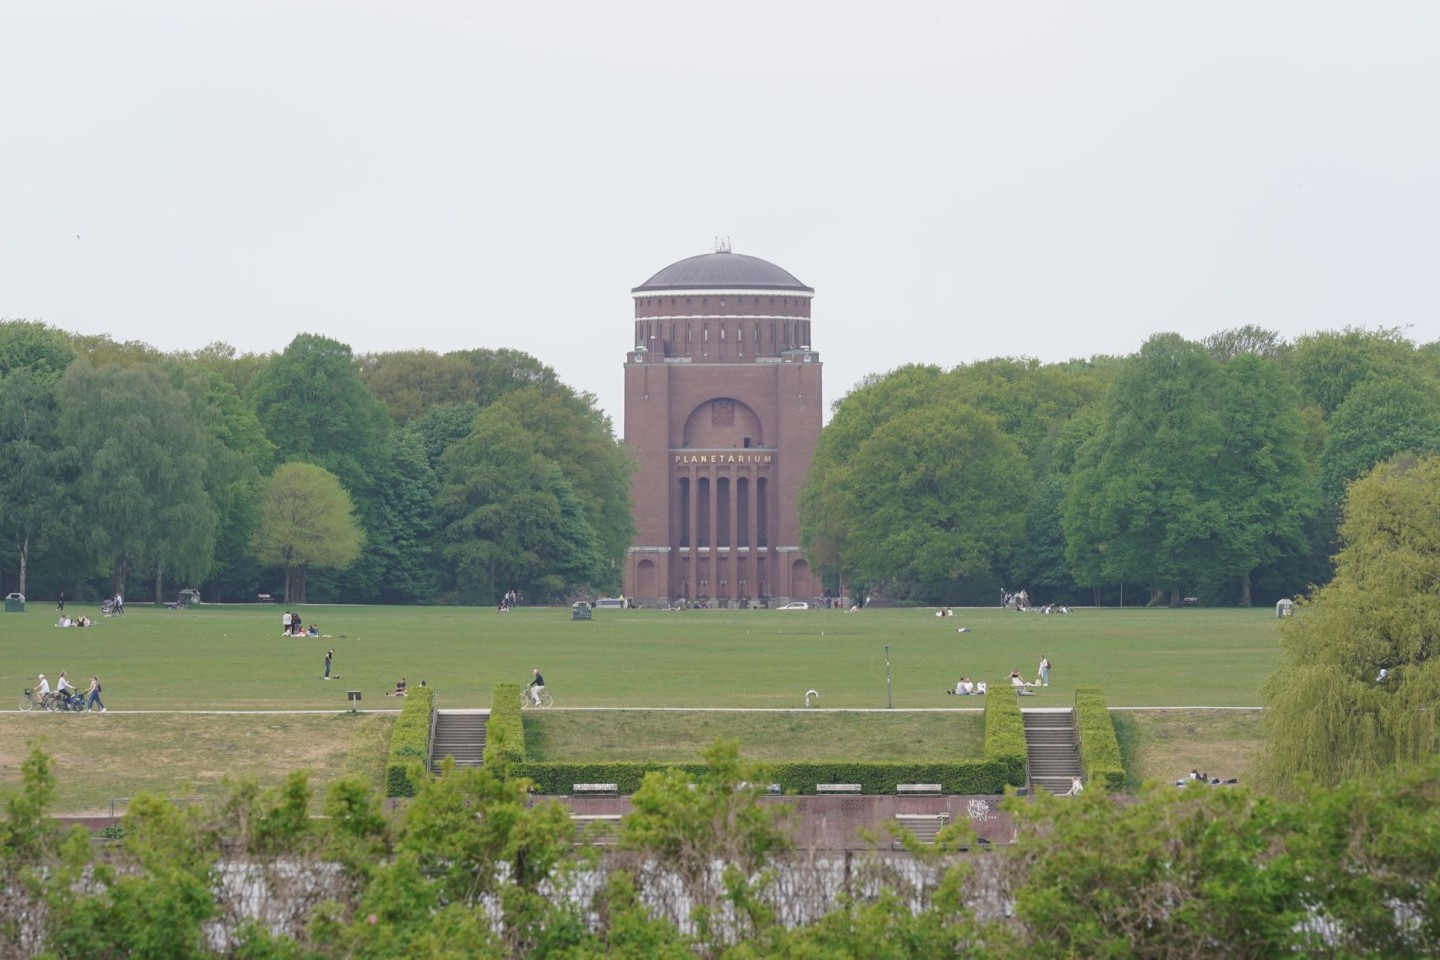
{"x":709,"y":458}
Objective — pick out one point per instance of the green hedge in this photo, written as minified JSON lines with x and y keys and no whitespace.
{"x":1005,"y":735}
{"x":409,"y":742}
{"x":505,"y":731}
{"x":800,"y":777}
{"x":1099,"y":748}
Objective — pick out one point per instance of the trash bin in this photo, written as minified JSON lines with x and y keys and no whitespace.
{"x":14,"y":603}
{"x":580,"y":611}
{"x":189,"y":598}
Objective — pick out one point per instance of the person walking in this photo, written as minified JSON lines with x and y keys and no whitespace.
{"x":94,"y":695}
{"x":329,"y":655}
{"x":60,"y":602}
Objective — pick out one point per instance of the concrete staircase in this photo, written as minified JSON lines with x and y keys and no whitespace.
{"x":460,"y":734}
{"x":1050,"y":741}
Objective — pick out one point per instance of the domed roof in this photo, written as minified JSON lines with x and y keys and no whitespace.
{"x":710,"y":271}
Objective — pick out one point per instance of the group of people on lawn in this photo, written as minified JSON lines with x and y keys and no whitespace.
{"x":291,"y":626}
{"x":965,"y":687}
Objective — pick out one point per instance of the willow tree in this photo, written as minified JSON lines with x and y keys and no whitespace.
{"x":1361,"y":680}
{"x":142,"y":471}
{"x":307,"y":519}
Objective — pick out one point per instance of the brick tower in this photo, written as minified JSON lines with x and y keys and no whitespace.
{"x":722,"y":414}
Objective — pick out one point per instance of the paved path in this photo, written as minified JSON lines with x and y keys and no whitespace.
{"x":665,"y":710}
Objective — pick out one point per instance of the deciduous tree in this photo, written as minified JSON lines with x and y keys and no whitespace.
{"x":1378,"y":419}
{"x":1267,"y":491}
{"x":1327,"y":365}
{"x":307,"y":520}
{"x":142,"y":468}
{"x":314,"y":407}
{"x":1144,"y":502}
{"x":939,"y":495}
{"x":511,"y":517}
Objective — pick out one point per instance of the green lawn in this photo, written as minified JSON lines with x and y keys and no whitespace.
{"x":232,"y":657}
{"x":224,"y":658}
{"x":764,"y":736}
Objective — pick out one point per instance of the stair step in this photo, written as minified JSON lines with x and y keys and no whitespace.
{"x":460,"y":736}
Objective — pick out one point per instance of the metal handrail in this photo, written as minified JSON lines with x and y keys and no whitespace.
{"x":430,"y":738}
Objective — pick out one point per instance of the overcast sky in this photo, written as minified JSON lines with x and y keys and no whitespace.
{"x":957,"y":181}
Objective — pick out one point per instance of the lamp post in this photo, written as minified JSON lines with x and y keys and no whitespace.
{"x":889,"y":703}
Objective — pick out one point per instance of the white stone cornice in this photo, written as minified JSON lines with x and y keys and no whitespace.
{"x":723,"y":292}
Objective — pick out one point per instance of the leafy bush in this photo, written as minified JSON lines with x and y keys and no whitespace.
{"x":409,"y":742}
{"x":1005,"y":735}
{"x":505,"y":731}
{"x":1099,"y":747}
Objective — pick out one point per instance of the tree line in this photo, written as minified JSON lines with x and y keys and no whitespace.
{"x":1212,"y":469}
{"x":311,"y":473}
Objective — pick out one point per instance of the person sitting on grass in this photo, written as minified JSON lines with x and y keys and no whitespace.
{"x":399,"y":690}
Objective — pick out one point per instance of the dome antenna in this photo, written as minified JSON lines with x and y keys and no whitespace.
{"x":722,"y":244}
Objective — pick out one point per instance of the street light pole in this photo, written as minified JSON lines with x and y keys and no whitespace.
{"x":889,"y":703}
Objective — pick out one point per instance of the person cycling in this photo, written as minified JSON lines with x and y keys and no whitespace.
{"x":42,"y":692}
{"x":63,"y":689}
{"x":536,"y":687}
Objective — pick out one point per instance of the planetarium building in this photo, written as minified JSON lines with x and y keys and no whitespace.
{"x":722,"y":414}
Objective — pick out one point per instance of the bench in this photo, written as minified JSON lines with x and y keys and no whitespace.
{"x":919,"y":789}
{"x":264,"y":598}
{"x":838,"y":788}
{"x":597,"y":828}
{"x":595,"y":789}
{"x":923,"y":825}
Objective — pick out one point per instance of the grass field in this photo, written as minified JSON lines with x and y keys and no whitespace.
{"x":768,"y":735}
{"x":232,"y":658}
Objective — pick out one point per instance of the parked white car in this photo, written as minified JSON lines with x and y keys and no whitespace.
{"x":796,"y":605}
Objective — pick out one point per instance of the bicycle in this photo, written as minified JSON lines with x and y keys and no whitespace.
{"x":527,"y":703}
{"x":61,"y":703}
{"x":28,"y":702}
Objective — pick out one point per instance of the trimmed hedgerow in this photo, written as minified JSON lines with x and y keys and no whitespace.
{"x":1005,"y":735}
{"x":800,"y":777}
{"x":505,"y":730}
{"x":1099,"y":748}
{"x":409,"y":743}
